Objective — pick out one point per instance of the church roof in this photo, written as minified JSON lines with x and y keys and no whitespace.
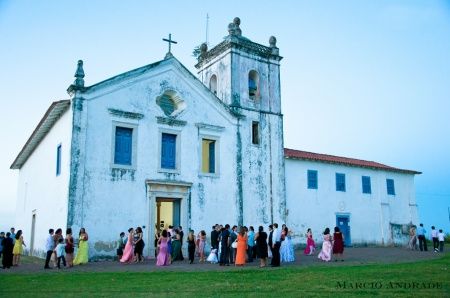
{"x":54,"y":112}
{"x":304,"y":155}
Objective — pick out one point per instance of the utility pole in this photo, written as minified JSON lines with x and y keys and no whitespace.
{"x":207,"y":29}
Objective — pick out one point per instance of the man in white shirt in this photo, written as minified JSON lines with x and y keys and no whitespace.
{"x":49,"y":247}
{"x":441,"y":238}
{"x":276,"y":243}
{"x":434,"y":236}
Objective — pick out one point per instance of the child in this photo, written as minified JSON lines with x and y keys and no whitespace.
{"x":120,"y":246}
{"x":61,"y":252}
{"x":441,"y":240}
{"x":213,"y":256}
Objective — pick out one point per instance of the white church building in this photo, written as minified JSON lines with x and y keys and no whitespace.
{"x":159,"y":146}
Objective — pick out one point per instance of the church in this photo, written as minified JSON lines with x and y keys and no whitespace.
{"x":159,"y":146}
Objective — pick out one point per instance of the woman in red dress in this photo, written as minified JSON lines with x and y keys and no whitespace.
{"x":338,"y":245}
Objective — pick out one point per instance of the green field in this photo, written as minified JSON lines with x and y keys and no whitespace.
{"x":425,"y":279}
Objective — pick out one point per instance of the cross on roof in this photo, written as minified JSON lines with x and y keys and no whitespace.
{"x":170,"y":42}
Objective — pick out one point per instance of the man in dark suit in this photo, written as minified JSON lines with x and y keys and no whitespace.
{"x":270,"y":241}
{"x":8,"y":246}
{"x":276,"y":243}
{"x":215,"y":237}
{"x":225,"y":241}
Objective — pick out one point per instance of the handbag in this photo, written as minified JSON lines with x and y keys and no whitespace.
{"x":234,"y":244}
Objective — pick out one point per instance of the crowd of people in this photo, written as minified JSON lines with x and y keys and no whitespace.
{"x":228,"y":245}
{"x":418,"y":234}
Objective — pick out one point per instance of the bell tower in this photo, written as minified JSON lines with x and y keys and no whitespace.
{"x":246,"y":76}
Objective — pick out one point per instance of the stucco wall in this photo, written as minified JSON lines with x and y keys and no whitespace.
{"x":116,"y":199}
{"x":40,"y":191}
{"x":370,"y":214}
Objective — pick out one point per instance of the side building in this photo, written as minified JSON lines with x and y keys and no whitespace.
{"x":371,"y":203}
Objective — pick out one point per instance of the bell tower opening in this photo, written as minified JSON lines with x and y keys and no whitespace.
{"x":253,"y":85}
{"x":213,"y":84}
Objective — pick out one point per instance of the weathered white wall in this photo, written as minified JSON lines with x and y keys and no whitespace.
{"x":115,"y":200}
{"x":221,"y":67}
{"x":262,"y":171}
{"x":40,"y":191}
{"x":317,"y":208}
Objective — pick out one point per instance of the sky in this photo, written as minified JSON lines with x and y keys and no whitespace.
{"x":361,"y":79}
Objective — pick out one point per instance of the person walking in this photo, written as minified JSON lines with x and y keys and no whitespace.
{"x":421,"y":232}
{"x":338,"y":244}
{"x":215,"y":237}
{"x":241,"y":248}
{"x":2,"y":236}
{"x":441,"y":238}
{"x":127,"y":256}
{"x":191,"y":246}
{"x":261,"y":246}
{"x":412,"y":244}
{"x":60,"y":251}
{"x":269,"y":239}
{"x":233,"y":238}
{"x":163,"y":258}
{"x":49,"y":247}
{"x":310,"y":244}
{"x":325,"y":253}
{"x":8,"y":246}
{"x":70,"y":247}
{"x":434,"y":237}
{"x":18,"y":248}
{"x":139,"y":245}
{"x":224,"y":246}
{"x":276,"y":243}
{"x":82,"y":256}
{"x":250,"y":243}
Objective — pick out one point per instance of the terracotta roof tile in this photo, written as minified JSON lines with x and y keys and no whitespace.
{"x":297,"y":154}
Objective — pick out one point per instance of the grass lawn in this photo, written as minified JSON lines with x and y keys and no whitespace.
{"x":407,"y":279}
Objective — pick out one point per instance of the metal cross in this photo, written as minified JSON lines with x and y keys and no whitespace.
{"x":169,"y":41}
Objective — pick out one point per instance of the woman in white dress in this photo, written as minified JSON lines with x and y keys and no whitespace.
{"x":287,"y":249}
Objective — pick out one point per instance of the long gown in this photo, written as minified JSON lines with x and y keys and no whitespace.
{"x":241,"y":249}
{"x":325,"y":253}
{"x":176,"y":250}
{"x":163,"y":255}
{"x":128,"y":252}
{"x":310,"y":245}
{"x":338,"y":243}
{"x":287,"y":250}
{"x":82,"y":256}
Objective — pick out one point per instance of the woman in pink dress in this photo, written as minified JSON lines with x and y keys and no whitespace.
{"x":163,"y":258}
{"x":128,"y":252}
{"x":201,"y":245}
{"x":325,"y":253}
{"x":310,"y":245}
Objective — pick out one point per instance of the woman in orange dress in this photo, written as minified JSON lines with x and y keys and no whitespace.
{"x":241,"y":250}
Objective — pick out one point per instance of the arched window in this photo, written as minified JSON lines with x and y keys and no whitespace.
{"x":213,"y":84}
{"x":253,"y":84}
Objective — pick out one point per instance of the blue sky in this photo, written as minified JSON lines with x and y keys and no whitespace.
{"x":362,"y":79}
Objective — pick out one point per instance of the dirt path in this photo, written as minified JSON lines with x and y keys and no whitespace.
{"x":353,"y":256}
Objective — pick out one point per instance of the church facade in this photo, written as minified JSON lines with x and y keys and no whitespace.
{"x":158,"y":146}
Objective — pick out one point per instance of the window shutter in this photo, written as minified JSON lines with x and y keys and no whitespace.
{"x":123,"y":145}
{"x":212,"y":157}
{"x":168,"y":151}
